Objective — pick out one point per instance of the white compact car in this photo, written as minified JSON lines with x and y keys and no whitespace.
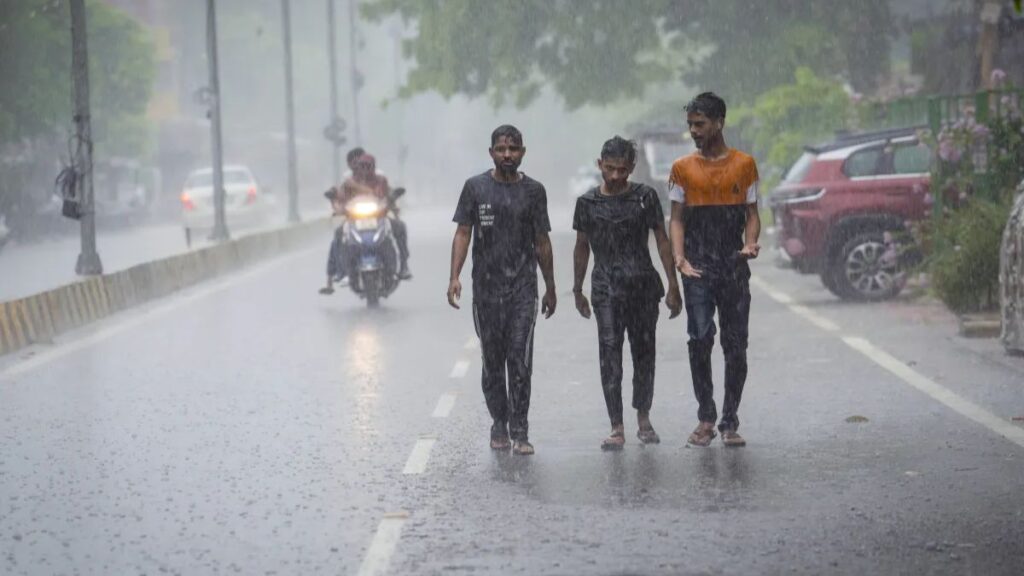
{"x":246,"y":202}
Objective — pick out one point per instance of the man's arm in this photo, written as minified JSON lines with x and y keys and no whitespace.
{"x":580,"y":260}
{"x":547,"y":267}
{"x":752,"y":232}
{"x":673,"y":299}
{"x":677,"y":228}
{"x":460,"y":248}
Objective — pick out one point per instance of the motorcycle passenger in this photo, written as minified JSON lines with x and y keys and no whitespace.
{"x":366,"y":181}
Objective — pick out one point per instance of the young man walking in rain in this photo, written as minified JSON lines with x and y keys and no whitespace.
{"x":715,"y":228}
{"x":505,"y":213}
{"x":615,"y":220}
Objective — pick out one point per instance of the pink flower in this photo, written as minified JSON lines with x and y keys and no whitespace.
{"x":928,"y":200}
{"x":998,"y":77}
{"x":949,"y":152}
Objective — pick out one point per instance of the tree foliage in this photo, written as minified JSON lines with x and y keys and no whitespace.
{"x":35,"y":62}
{"x":603,"y":50}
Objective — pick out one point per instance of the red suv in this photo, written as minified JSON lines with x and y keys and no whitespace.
{"x":840,"y":206}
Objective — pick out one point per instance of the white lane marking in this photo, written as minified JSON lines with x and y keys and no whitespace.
{"x":460,"y":369}
{"x":120,"y":325}
{"x":444,"y":406}
{"x":779,"y":297}
{"x":385,"y":540}
{"x":814,"y":318}
{"x":419,"y":457}
{"x":944,"y":395}
{"x":472,"y":344}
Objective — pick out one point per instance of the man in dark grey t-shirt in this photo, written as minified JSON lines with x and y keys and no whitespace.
{"x":505,"y":213}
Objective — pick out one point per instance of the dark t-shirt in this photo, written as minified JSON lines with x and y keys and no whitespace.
{"x":506,"y":218}
{"x":618,"y":228}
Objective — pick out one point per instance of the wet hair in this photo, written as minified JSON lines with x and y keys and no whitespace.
{"x":508,"y":131}
{"x":353,"y":154}
{"x":708,"y":104}
{"x":619,"y":147}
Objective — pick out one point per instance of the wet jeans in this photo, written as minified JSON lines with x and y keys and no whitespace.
{"x":731,"y":298}
{"x":401,"y":233}
{"x":638,"y":320}
{"x":505,"y":328}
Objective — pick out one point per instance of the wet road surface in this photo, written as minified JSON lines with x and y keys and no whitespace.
{"x":252,"y":426}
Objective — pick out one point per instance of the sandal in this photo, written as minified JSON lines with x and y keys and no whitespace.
{"x":648,"y":435}
{"x":701,"y":436}
{"x":499,"y":437}
{"x":732,"y":439}
{"x":614,"y":442}
{"x":522,"y":448}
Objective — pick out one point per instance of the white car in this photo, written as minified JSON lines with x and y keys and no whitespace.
{"x":246,"y":202}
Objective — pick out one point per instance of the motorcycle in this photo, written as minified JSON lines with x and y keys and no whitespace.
{"x":369,"y":244}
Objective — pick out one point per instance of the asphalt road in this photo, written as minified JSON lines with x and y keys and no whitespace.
{"x":252,"y":426}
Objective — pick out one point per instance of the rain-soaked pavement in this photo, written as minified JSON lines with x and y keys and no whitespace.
{"x":251,"y":426}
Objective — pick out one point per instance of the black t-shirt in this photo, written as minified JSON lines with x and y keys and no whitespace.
{"x":618,"y":228}
{"x":506,"y":218}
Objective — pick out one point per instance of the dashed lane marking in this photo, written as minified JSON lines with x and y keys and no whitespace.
{"x":382,"y":548}
{"x":938,"y":392}
{"x":444,"y":406}
{"x":417,"y":462}
{"x":472,"y":344}
{"x":460,"y":369}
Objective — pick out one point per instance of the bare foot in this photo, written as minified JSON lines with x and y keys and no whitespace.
{"x":616,"y":440}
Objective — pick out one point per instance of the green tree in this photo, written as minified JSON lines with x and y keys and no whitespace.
{"x":35,"y":63}
{"x":604,"y":50}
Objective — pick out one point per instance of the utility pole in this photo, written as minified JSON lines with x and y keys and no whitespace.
{"x":220,"y":225}
{"x":988,"y":42}
{"x":403,"y":150}
{"x":356,"y":77}
{"x":293,"y":184}
{"x":88,"y":260}
{"x":332,"y":63}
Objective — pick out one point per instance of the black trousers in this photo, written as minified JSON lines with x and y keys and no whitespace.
{"x":505,"y":328}
{"x":335,"y":257}
{"x":638,"y":320}
{"x":401,"y":233}
{"x":731,"y":298}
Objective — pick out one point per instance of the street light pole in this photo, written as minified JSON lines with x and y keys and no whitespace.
{"x":220,"y":226}
{"x":88,"y":260}
{"x":356,"y":79}
{"x":332,"y":62}
{"x":293,"y":184}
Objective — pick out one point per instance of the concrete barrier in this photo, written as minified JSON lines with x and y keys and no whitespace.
{"x":41,"y":317}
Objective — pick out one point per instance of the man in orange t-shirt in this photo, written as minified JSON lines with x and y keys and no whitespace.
{"x":714,"y":230}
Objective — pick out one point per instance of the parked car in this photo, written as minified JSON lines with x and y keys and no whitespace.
{"x":246,"y":202}
{"x":841,"y":211}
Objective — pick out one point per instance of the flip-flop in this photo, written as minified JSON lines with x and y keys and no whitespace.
{"x":499,"y":443}
{"x":611,"y":443}
{"x":522,"y":448}
{"x":701,"y":437}
{"x":648,"y":436}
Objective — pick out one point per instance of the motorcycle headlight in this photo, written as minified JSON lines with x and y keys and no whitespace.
{"x":364,"y":209}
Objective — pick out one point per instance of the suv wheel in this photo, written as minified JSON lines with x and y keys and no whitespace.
{"x":865,"y":269}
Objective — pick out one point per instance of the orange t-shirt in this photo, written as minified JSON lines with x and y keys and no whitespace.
{"x":715,"y":194}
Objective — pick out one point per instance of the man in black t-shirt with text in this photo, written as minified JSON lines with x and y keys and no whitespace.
{"x":505,"y":213}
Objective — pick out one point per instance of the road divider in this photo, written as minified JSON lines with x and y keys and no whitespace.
{"x":38,"y":319}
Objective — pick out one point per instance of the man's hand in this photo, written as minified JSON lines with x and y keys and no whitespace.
{"x":582,"y":304}
{"x":548,"y":303}
{"x":750,"y":251}
{"x":686,"y":269}
{"x":454,"y":293}
{"x":674,"y":301}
